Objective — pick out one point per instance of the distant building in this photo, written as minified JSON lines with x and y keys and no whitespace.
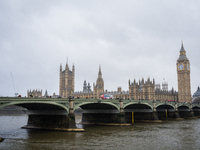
{"x":86,"y":87}
{"x":157,"y":87}
{"x":34,"y":93}
{"x":165,"y":86}
{"x":46,"y":94}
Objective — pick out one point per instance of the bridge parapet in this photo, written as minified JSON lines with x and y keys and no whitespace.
{"x":64,"y":102}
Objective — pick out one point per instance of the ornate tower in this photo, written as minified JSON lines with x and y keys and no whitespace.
{"x":66,"y":81}
{"x":99,"y":87}
{"x":183,"y":72}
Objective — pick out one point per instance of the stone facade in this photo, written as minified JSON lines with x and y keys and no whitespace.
{"x":183,"y":72}
{"x":142,"y":90}
{"x":149,"y":91}
{"x":66,"y":87}
{"x":164,"y":95}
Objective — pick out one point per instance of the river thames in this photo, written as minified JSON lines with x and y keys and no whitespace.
{"x":183,"y":135}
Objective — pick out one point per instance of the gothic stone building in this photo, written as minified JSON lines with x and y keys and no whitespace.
{"x":147,"y":90}
{"x":142,"y":90}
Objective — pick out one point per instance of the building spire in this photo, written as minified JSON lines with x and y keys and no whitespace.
{"x":73,"y":68}
{"x":67,"y":67}
{"x":67,"y":60}
{"x":99,"y":74}
{"x":60,"y":67}
{"x":182,"y":55}
{"x":182,"y":48}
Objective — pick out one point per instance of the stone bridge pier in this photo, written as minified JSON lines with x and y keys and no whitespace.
{"x":176,"y":113}
{"x":121,"y":115}
{"x":54,"y":118}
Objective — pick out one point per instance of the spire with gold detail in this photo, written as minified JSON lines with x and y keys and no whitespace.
{"x":182,"y":55}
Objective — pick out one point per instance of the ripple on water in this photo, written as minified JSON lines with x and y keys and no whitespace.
{"x":168,"y":135}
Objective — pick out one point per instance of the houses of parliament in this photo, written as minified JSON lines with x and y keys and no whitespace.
{"x":141,"y":89}
{"x":147,"y":90}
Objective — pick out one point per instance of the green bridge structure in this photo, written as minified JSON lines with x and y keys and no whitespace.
{"x":58,"y":113}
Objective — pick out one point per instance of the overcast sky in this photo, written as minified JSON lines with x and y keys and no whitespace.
{"x":130,"y":39}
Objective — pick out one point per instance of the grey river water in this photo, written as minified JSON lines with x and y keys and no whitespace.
{"x":183,"y":135}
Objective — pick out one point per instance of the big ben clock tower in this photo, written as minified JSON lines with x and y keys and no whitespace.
{"x":183,"y":72}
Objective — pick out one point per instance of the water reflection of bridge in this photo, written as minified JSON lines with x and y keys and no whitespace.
{"x":59,"y":112}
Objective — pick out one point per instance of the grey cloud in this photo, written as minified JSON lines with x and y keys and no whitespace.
{"x":129,"y":39}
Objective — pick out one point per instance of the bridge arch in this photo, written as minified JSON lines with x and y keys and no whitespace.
{"x":99,"y":112}
{"x":183,"y":108}
{"x":196,"y":108}
{"x":135,"y":105}
{"x":39,"y":106}
{"x":184,"y":111}
{"x":163,"y":107}
{"x":165,"y":111}
{"x":142,"y":111}
{"x":101,"y":105}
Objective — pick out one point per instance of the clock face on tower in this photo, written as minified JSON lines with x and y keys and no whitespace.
{"x":180,"y":67}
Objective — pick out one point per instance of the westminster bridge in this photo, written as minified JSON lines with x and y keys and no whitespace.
{"x":59,"y":112}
